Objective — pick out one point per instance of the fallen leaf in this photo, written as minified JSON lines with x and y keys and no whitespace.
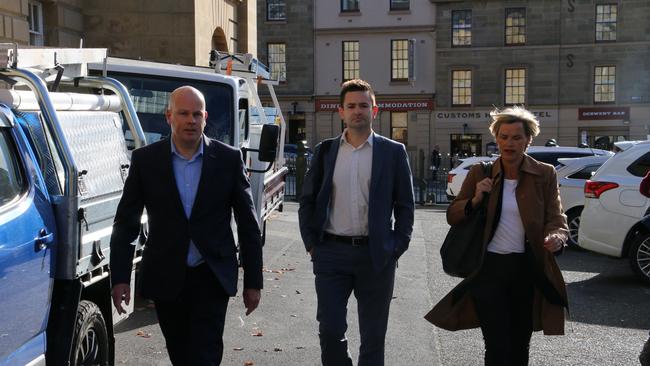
{"x":300,"y":347}
{"x":257,"y":333}
{"x":249,"y":363}
{"x":277,"y":349}
{"x":238,"y":349}
{"x":297,"y":292}
{"x":143,"y":334}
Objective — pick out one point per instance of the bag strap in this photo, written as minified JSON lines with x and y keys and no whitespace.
{"x":486,"y":166}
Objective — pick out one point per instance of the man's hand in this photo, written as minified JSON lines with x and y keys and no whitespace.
{"x":553,"y":243}
{"x":252,"y":298}
{"x":121,"y":292}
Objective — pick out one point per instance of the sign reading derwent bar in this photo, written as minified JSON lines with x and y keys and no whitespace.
{"x":595,"y":113}
{"x":384,"y":105}
{"x":543,"y":115}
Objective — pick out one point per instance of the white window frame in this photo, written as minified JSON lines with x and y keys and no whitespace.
{"x":35,"y":23}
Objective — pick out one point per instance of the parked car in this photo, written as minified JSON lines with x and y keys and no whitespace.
{"x":546,"y":154}
{"x":457,"y":175}
{"x":615,"y":217}
{"x":551,"y":154}
{"x":571,"y":177}
{"x":291,"y":151}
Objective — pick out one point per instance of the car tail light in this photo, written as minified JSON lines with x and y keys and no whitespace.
{"x":595,"y":189}
{"x":450,"y":177}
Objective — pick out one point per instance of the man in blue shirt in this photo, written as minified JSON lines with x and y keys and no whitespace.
{"x":189,"y":185}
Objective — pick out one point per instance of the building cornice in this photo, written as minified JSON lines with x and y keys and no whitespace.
{"x":374,"y":30}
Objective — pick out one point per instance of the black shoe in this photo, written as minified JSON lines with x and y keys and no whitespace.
{"x":644,"y":357}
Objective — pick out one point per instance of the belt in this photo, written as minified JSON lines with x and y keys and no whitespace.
{"x":355,"y":241}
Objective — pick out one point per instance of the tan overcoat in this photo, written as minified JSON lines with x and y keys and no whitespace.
{"x":541,"y":214}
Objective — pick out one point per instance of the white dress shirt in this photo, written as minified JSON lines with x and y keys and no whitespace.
{"x":351,"y":189}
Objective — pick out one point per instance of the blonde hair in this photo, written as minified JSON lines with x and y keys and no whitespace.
{"x":512,"y":115}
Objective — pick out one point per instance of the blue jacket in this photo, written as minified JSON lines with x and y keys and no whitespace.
{"x":391,"y":195}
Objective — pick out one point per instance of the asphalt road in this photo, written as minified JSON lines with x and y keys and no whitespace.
{"x":609,"y":314}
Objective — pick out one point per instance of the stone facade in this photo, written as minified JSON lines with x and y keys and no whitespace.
{"x":175,"y":31}
{"x":297,"y":32}
{"x":559,"y":55}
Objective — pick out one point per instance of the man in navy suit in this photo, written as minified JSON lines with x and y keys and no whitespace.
{"x":356,"y":184}
{"x":189,"y":185}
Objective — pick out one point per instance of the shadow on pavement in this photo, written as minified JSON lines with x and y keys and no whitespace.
{"x":143,"y":315}
{"x":604,"y":291}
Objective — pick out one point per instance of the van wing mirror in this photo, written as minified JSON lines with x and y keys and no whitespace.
{"x":268,"y":148}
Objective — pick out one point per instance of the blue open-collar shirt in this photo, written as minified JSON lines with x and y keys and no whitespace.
{"x":187,"y":174}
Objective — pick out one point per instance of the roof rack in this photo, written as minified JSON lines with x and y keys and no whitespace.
{"x":236,"y":63}
{"x":73,"y":60}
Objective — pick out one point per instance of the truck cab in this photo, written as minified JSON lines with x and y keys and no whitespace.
{"x":236,"y":115}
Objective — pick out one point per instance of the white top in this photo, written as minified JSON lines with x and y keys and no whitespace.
{"x":509,"y":236}
{"x":351,"y":189}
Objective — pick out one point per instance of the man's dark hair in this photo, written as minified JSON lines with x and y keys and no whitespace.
{"x":356,"y":85}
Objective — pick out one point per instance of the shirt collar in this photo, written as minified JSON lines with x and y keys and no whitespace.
{"x":198,"y":152}
{"x":369,"y":140}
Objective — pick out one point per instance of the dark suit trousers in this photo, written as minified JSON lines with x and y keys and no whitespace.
{"x":193,"y":323}
{"x":503,"y":295}
{"x":340,"y":269}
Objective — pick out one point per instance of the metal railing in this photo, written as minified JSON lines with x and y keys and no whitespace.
{"x":431,"y":190}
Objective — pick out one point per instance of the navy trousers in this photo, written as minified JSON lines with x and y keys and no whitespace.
{"x":193,"y":324}
{"x":341,"y":269}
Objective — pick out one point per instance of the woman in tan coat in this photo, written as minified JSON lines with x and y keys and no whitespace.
{"x":519,"y":287}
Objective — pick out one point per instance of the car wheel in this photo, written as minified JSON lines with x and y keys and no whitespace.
{"x":90,"y":342}
{"x":573,"y":222}
{"x":640,"y":256}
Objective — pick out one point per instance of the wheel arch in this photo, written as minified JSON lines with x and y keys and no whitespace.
{"x":643,"y":226}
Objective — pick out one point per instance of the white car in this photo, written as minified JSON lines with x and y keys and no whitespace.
{"x":456,"y":176}
{"x":544,"y":154}
{"x":571,"y":177}
{"x":615,"y":217}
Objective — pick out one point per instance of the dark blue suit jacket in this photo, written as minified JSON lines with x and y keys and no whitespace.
{"x":223,"y":189}
{"x":391,"y":195}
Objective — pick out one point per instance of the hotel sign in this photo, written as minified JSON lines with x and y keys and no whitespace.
{"x":384,"y":105}
{"x":543,"y":115}
{"x":598,"y":113}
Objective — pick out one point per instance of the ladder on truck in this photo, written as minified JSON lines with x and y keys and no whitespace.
{"x":248,"y":67}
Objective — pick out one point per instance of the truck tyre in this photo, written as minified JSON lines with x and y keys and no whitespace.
{"x":639,"y":256}
{"x":90,"y":341}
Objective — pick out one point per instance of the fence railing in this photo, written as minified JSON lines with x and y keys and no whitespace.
{"x":432,"y":189}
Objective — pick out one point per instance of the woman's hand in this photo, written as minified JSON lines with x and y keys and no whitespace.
{"x":553,"y":243}
{"x":483,"y":186}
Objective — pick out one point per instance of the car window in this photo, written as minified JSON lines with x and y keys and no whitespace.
{"x":586,"y":172}
{"x":641,"y":166}
{"x":551,"y":157}
{"x":11,"y":178}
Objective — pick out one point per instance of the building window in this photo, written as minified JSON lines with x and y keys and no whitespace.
{"x":275,"y":10}
{"x":35,"y":20}
{"x":399,"y":4}
{"x":606,"y":22}
{"x":461,"y":87}
{"x":515,"y":26}
{"x":399,"y":57}
{"x":349,"y":5}
{"x":605,"y":84}
{"x":461,"y":27}
{"x":515,"y":86}
{"x":350,"y":60}
{"x":399,"y":127}
{"x":277,"y":61}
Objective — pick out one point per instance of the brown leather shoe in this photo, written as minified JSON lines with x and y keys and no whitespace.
{"x":644,"y":357}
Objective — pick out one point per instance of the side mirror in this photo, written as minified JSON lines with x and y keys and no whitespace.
{"x":268,"y":143}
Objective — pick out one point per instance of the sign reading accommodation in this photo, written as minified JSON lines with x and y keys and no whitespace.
{"x":384,"y":105}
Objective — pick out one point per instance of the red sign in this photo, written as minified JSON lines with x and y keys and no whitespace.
{"x":384,"y":105}
{"x":597,"y":113}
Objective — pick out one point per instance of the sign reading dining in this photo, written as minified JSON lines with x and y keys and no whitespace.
{"x":384,"y":105}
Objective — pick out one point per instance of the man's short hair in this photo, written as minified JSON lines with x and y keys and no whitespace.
{"x":356,"y":85}
{"x":513,"y":115}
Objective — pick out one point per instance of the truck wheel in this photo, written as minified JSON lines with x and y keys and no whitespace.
{"x":90,"y":341}
{"x":573,"y":222}
{"x":640,"y":256}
